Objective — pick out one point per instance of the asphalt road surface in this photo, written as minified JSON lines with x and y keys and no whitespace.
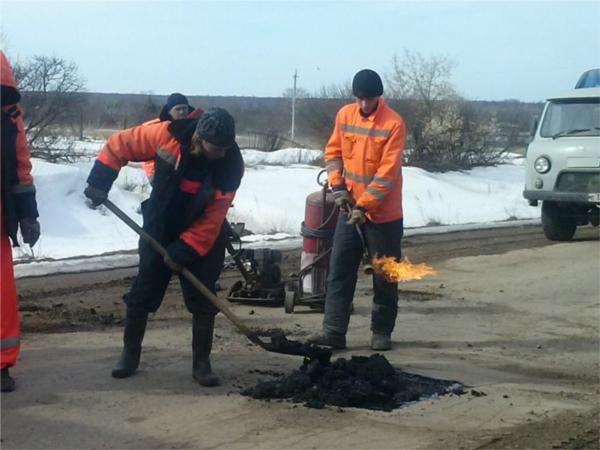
{"x":510,"y":315}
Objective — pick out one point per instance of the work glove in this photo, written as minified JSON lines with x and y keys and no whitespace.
{"x":343,"y":199}
{"x":357,"y":216}
{"x":96,"y":195}
{"x":30,"y":230}
{"x":179,"y":254}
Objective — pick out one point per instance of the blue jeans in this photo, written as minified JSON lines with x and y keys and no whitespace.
{"x":382,"y":239}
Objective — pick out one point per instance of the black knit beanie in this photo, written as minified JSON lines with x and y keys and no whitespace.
{"x":176,"y":99}
{"x":367,"y":83}
{"x":217,"y":127}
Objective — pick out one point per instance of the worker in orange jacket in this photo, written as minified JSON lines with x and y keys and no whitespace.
{"x":177,"y":107}
{"x":364,"y":165}
{"x":198,"y":169}
{"x":18,"y":211}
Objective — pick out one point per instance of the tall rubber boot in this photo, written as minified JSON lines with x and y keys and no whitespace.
{"x":135,"y":327}
{"x":8,"y":384}
{"x":203,"y":327}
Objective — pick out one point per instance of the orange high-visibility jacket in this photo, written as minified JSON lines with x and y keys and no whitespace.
{"x":18,"y":190}
{"x":364,"y":154}
{"x":10,"y":98}
{"x":17,"y":202}
{"x":144,"y":143}
{"x":148,"y":166}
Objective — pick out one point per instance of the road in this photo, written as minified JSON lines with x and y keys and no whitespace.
{"x":509,"y":314}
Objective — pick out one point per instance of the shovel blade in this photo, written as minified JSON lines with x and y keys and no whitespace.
{"x":281,"y":344}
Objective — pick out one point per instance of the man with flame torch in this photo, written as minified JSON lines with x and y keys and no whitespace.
{"x":364,"y":166}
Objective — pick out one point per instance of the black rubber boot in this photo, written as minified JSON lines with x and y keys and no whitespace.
{"x":203,"y":327}
{"x":328,"y":338}
{"x":381,"y":341}
{"x":8,"y":383}
{"x":135,"y":327}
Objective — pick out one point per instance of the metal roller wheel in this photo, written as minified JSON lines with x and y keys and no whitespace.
{"x":290,"y":299}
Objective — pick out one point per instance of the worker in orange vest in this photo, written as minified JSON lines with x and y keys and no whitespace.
{"x":199,"y":168}
{"x":364,"y":166}
{"x":177,"y":107}
{"x":18,"y":211}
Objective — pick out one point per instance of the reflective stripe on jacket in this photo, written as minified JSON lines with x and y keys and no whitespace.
{"x":364,"y":154}
{"x":156,"y":142}
{"x":148,"y":166}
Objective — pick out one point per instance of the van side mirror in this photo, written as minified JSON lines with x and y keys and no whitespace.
{"x":533,"y":126}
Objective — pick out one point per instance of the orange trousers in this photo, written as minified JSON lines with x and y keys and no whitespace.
{"x":9,"y":313}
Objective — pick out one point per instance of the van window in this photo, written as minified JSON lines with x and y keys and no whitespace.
{"x":579,"y":117}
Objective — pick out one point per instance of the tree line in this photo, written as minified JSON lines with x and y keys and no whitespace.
{"x":445,"y":131}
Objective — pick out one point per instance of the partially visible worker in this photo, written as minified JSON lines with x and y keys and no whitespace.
{"x":364,"y":165}
{"x":18,"y":213}
{"x":177,"y":107}
{"x":199,"y":168}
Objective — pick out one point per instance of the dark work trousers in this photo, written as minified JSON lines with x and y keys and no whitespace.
{"x":382,"y":239}
{"x":151,"y":282}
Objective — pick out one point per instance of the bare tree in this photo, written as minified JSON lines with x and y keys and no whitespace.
{"x":424,"y":86}
{"x":145,"y":109}
{"x":300,"y":93}
{"x":443,"y":131}
{"x":420,"y":78}
{"x":316,"y":114}
{"x":52,"y":96}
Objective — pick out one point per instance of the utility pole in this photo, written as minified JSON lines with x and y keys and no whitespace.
{"x":294,"y":104}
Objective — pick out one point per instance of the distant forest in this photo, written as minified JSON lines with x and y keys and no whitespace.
{"x":442,"y":127}
{"x":264,"y":115}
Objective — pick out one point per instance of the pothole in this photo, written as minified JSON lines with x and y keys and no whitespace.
{"x":368,"y":382}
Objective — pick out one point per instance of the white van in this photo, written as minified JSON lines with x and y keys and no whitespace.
{"x":563,"y":163}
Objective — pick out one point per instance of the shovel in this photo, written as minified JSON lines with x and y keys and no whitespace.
{"x":279,"y":343}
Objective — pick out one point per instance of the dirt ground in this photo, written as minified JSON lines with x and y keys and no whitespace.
{"x":510,"y":315}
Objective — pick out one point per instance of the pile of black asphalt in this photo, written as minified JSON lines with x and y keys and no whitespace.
{"x":368,"y":382}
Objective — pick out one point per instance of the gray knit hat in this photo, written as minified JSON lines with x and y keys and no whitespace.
{"x":216,"y":126}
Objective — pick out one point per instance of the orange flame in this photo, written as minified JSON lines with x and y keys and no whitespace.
{"x":395,"y":271}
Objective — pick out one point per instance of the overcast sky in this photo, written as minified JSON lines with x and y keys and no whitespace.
{"x":503,"y":50}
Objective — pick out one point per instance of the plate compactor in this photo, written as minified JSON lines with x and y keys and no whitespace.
{"x":263,"y":281}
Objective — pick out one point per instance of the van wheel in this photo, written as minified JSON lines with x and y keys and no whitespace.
{"x":595,"y":219}
{"x":557,"y":225}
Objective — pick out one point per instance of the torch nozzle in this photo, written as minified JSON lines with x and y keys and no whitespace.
{"x":368,"y":268}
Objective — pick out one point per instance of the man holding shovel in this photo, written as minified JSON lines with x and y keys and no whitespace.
{"x":364,"y":165}
{"x":198,"y":168}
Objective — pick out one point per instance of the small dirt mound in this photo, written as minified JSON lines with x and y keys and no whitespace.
{"x":369,"y":382}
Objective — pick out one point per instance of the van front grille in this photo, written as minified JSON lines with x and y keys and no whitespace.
{"x":578,"y":182}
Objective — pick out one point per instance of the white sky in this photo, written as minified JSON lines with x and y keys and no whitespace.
{"x":523,"y":50}
{"x":271,"y":201}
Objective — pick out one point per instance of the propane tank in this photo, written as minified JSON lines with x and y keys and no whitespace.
{"x":320,"y":219}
